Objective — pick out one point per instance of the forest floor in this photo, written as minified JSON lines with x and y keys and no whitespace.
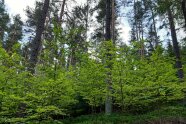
{"x":167,"y":115}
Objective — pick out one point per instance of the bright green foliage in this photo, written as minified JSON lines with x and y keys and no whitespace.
{"x":72,"y":77}
{"x":142,"y":84}
{"x":91,"y":82}
{"x":92,"y":75}
{"x":33,"y":97}
{"x":139,"y":84}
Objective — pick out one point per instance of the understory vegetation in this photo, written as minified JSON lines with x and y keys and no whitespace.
{"x":138,"y":87}
{"x":71,"y":66}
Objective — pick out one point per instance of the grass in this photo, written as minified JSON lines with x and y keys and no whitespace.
{"x":168,"y":113}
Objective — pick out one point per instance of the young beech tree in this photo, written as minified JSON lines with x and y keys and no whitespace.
{"x":139,"y":85}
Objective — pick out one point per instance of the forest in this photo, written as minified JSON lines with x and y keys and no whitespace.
{"x":70,"y":63}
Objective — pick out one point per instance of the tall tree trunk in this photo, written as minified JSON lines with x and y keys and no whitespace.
{"x":108,"y":20}
{"x":175,"y":44}
{"x":60,"y":24}
{"x":2,"y":30}
{"x":37,"y":43}
{"x":121,"y":88}
{"x":87,"y":19}
{"x":62,"y":11}
{"x":184,"y":10}
{"x":142,"y":40}
{"x":73,"y":56}
{"x":113,"y":22}
{"x":136,"y":25}
{"x":155,"y":31}
{"x":108,"y":102}
{"x":87,"y":25}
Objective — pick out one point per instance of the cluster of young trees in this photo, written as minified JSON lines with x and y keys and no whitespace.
{"x":64,"y":70}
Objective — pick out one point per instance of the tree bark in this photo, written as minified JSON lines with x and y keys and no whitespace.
{"x":87,"y":19}
{"x":136,"y":26}
{"x":60,"y":24}
{"x":113,"y":22}
{"x":175,"y":45}
{"x":155,"y":31}
{"x":2,"y":30}
{"x":108,"y":20}
{"x":184,"y":10}
{"x":37,"y":43}
{"x":62,"y":11}
{"x":108,"y":102}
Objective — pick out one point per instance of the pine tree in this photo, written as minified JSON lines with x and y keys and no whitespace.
{"x":15,"y":33}
{"x":175,"y":44}
{"x":108,"y":102}
{"x":183,"y":4}
{"x":37,"y":43}
{"x":4,"y":20}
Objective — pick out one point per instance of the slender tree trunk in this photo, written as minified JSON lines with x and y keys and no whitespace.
{"x":60,"y":24}
{"x":175,"y":45}
{"x":152,"y":48}
{"x":136,"y":25}
{"x":87,"y":19}
{"x":103,"y":31}
{"x":37,"y":43}
{"x":73,"y":56}
{"x":113,"y":22}
{"x":108,"y":102}
{"x":184,"y":10}
{"x":108,"y":20}
{"x":68,"y":61}
{"x":62,"y":11}
{"x":87,"y":26}
{"x":155,"y":31}
{"x":142,"y":40}
{"x":2,"y":30}
{"x":121,"y":89}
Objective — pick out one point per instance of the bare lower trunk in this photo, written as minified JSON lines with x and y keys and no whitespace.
{"x":87,"y":19}
{"x":108,"y":102}
{"x":184,"y":10}
{"x":175,"y":45}
{"x":121,"y":90}
{"x":155,"y":31}
{"x":37,"y":43}
{"x":62,"y":11}
{"x":60,"y":24}
{"x":113,"y":22}
{"x":136,"y":26}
